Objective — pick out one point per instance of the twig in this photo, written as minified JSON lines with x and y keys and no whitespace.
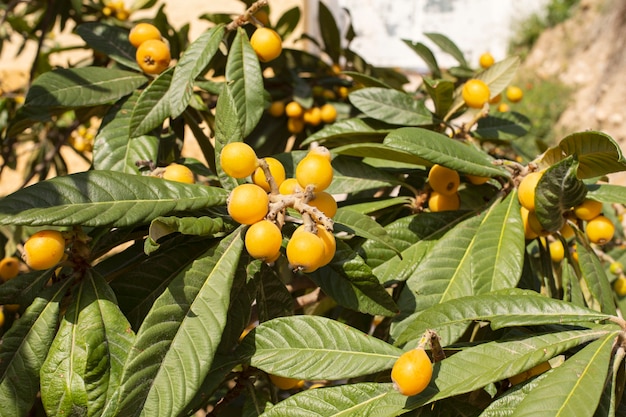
{"x":245,"y":17}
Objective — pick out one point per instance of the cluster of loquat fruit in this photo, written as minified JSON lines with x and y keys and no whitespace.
{"x":298,"y":116}
{"x":476,"y":92}
{"x":444,"y":184}
{"x":262,"y":204}
{"x":82,"y":138}
{"x":153,"y":53}
{"x":587,"y":215}
{"x":116,"y":8}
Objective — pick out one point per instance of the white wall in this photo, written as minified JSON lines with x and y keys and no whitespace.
{"x":475,"y":26}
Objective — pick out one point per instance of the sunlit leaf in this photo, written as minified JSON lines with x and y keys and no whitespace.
{"x":153,"y":105}
{"x":391,"y":106}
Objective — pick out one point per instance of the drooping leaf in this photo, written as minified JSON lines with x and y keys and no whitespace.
{"x":574,"y":388}
{"x":427,"y":55}
{"x":153,"y":105}
{"x":558,"y":191}
{"x":96,"y":198}
{"x":350,"y":282}
{"x":391,"y":106}
{"x":109,"y":40}
{"x":85,"y":86}
{"x":505,"y":308}
{"x":353,"y":130}
{"x":597,"y":153}
{"x":447,"y":46}
{"x":314,"y":347}
{"x":176,"y":344}
{"x":502,"y":126}
{"x":23,"y":349}
{"x":330,"y":32}
{"x":440,"y":149}
{"x":85,"y":362}
{"x":191,"y":64}
{"x":594,"y":276}
{"x":245,"y":81}
{"x":114,"y":147}
{"x":362,"y":225}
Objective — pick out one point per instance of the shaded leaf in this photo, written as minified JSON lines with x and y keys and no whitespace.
{"x":227,"y":129}
{"x":109,"y":40}
{"x":353,"y":130}
{"x":502,"y":126}
{"x":86,"y":86}
{"x":114,"y":147}
{"x":441,"y":92}
{"x":330,"y":32}
{"x":153,"y":105}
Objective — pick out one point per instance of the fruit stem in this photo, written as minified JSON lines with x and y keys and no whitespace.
{"x":244,"y":18}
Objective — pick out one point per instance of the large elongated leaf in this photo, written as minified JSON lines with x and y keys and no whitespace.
{"x":84,"y":366}
{"x":427,"y":55}
{"x":314,"y":347}
{"x":23,"y":288}
{"x":245,"y":81}
{"x":97,"y":198}
{"x":558,"y":191}
{"x":597,"y":153}
{"x":191,"y":64}
{"x":352,"y":175}
{"x":153,"y":106}
{"x":440,"y":149}
{"x":480,"y":365}
{"x":499,"y":253}
{"x":109,"y":40}
{"x":115,"y":149}
{"x":339,"y":401}
{"x":391,"y":106}
{"x":504,"y":308}
{"x":354,"y":130}
{"x":24,"y":348}
{"x":380,"y":151}
{"x":227,"y":129}
{"x":574,"y":388}
{"x":594,"y":275}
{"x":503,"y":126}
{"x":86,"y":86}
{"x":607,"y":193}
{"x":362,"y":225}
{"x":330,"y":33}
{"x":446,"y":45}
{"x":175,"y":346}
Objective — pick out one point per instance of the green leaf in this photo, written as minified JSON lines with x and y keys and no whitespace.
{"x":558,"y":190}
{"x":191,"y":64}
{"x":272,"y":298}
{"x":607,"y":193}
{"x":352,"y":175}
{"x":197,"y":226}
{"x":362,"y":225}
{"x":176,"y":344}
{"x":502,"y":126}
{"x":391,"y":106}
{"x":504,"y":308}
{"x":353,"y":130}
{"x":499,"y":252}
{"x":23,"y":349}
{"x":366,"y":80}
{"x":23,"y":288}
{"x":505,"y":405}
{"x":109,"y":40}
{"x":79,"y":87}
{"x":85,"y":362}
{"x":288,"y":22}
{"x":245,"y":81}
{"x":441,"y":92}
{"x":314,"y":347}
{"x":440,"y":149}
{"x":447,"y":46}
{"x":350,"y":282}
{"x":96,"y":198}
{"x":380,"y":151}
{"x":330,"y":33}
{"x":597,"y":153}
{"x":575,"y":387}
{"x":475,"y":367}
{"x":153,"y":105}
{"x":338,"y":401}
{"x":114,"y":148}
{"x":427,"y":55}
{"x":594,"y":276}
{"x":227,"y":129}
